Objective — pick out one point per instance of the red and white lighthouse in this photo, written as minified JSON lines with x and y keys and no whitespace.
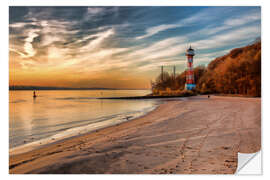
{"x":190,"y":83}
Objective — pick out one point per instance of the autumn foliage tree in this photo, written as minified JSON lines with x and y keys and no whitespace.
{"x":238,"y":72}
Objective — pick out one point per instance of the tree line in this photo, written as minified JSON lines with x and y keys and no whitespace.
{"x":238,"y":72}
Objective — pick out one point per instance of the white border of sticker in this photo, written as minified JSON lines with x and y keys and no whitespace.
{"x":4,"y":73}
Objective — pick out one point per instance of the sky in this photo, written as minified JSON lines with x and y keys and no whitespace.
{"x":120,"y":47}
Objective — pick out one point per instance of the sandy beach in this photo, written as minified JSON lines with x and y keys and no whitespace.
{"x":193,"y":135}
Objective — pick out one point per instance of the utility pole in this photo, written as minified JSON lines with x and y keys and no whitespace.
{"x":174,"y":72}
{"x":162,"y":73}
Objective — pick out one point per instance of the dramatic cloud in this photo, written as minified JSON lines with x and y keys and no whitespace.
{"x":80,"y":46}
{"x":156,"y":29}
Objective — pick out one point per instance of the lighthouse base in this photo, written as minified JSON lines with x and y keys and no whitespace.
{"x":190,"y":86}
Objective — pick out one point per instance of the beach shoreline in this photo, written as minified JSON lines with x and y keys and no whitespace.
{"x":52,"y":139}
{"x":192,"y":136}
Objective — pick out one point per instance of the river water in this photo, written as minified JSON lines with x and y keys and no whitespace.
{"x":61,"y":113}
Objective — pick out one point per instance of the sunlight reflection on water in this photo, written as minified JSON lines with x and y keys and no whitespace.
{"x":53,"y":112}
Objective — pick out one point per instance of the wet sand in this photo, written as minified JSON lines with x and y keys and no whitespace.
{"x":196,"y":135}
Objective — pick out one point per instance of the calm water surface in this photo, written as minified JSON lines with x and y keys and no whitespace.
{"x":54,"y":112}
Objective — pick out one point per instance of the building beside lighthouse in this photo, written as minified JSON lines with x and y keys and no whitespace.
{"x":190,"y":83}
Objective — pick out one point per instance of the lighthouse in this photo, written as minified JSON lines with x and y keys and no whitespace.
{"x":190,"y":83}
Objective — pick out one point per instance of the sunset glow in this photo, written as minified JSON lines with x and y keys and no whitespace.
{"x":119,"y":47}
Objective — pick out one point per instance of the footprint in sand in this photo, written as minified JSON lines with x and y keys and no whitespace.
{"x":226,"y":148}
{"x":166,"y":171}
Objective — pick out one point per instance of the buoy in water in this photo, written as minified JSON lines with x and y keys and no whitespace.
{"x":34,"y":94}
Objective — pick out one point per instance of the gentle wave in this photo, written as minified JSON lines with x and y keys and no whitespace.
{"x":18,"y":101}
{"x":75,"y":131}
